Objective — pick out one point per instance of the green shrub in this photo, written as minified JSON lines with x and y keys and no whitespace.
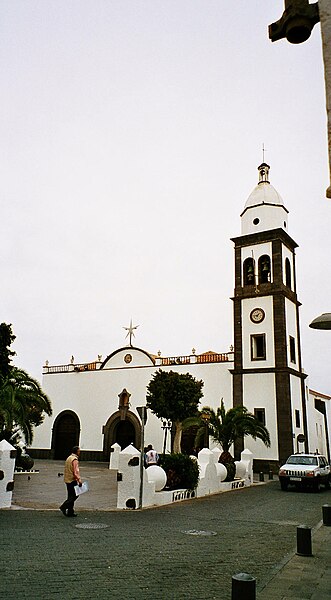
{"x":23,"y":461}
{"x":182,"y":471}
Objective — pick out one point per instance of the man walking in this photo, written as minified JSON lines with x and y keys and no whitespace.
{"x":71,"y":478}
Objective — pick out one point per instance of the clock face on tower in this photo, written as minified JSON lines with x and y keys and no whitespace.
{"x":257,"y":315}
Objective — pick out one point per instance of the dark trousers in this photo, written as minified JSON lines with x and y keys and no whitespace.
{"x":68,"y":505}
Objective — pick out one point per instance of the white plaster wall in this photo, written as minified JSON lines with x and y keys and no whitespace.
{"x":320,"y":445}
{"x":295,"y":384}
{"x":270,"y":217}
{"x":249,"y":328}
{"x":259,"y":391}
{"x":93,"y":396}
{"x":258,"y":250}
{"x":317,"y":432}
{"x":217,"y":381}
{"x":328,"y":418}
{"x":311,"y":420}
{"x":42,"y":435}
{"x":117,"y":360}
{"x":291,"y":330}
{"x":316,"y":424}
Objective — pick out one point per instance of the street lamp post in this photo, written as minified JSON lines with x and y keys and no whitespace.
{"x":166,"y":426}
{"x":142,"y":411}
{"x":206,"y":418}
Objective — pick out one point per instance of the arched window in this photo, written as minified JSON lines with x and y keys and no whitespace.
{"x":249,"y":271}
{"x":288,"y":278}
{"x":264,"y":269}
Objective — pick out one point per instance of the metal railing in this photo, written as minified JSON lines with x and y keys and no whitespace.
{"x":209,"y":357}
{"x":69,"y":368}
{"x":196,"y":358}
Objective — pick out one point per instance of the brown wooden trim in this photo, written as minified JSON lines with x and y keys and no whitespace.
{"x":284,"y":415}
{"x":280,"y":346}
{"x":256,"y":370}
{"x":237,"y":334}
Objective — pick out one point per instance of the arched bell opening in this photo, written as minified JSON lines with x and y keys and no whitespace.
{"x":288,"y":277}
{"x":264,"y":268}
{"x":248,"y":271}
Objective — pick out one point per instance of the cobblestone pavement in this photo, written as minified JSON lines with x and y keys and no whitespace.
{"x":45,"y":488}
{"x":188,"y":550}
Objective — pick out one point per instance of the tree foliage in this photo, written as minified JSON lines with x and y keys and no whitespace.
{"x":225,"y":427}
{"x":6,"y":339}
{"x":23,"y":404}
{"x":182,"y":471}
{"x":174,"y":396}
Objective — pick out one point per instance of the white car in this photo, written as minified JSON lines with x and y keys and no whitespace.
{"x":305,"y":470}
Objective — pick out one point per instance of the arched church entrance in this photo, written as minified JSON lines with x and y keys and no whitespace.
{"x":124,"y":434}
{"x":66,"y":430}
{"x":121,"y":431}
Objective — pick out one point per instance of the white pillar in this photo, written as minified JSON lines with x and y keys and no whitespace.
{"x":114,"y":456}
{"x":7,"y":466}
{"x":247,"y":458}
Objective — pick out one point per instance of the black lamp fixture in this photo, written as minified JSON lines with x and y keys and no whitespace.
{"x":321,"y":322}
{"x":166,"y":426}
{"x":296,"y":22}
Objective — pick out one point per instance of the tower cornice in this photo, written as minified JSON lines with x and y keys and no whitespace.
{"x":242,"y":293}
{"x":265,"y":236}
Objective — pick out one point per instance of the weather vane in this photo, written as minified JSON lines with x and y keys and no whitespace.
{"x":263,"y":152}
{"x":130,"y":331}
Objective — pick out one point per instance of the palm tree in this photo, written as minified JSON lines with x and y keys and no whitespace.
{"x":225,"y":427}
{"x":22,"y":406}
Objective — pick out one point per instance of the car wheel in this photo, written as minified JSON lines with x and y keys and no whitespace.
{"x":283,"y":485}
{"x":317,"y":485}
{"x":327,"y":484}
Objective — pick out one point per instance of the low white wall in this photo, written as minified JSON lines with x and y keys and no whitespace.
{"x":212,"y":476}
{"x":7,"y":465}
{"x":129,"y":483}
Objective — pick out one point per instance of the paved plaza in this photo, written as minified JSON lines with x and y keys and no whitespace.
{"x":187,"y":550}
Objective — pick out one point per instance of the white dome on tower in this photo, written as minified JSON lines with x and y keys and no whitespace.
{"x":264,"y":208}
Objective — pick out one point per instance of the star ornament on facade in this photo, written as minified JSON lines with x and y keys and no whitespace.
{"x":130,"y":331}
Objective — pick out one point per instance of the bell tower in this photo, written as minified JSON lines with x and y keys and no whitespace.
{"x":267,"y":374}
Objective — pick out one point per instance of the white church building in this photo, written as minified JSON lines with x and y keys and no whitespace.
{"x":95,"y":404}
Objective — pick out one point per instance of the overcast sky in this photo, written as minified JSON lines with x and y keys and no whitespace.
{"x":131,"y":132}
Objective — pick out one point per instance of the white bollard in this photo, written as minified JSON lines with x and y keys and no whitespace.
{"x":7,"y":466}
{"x":114,"y":456}
{"x":247,"y":459}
